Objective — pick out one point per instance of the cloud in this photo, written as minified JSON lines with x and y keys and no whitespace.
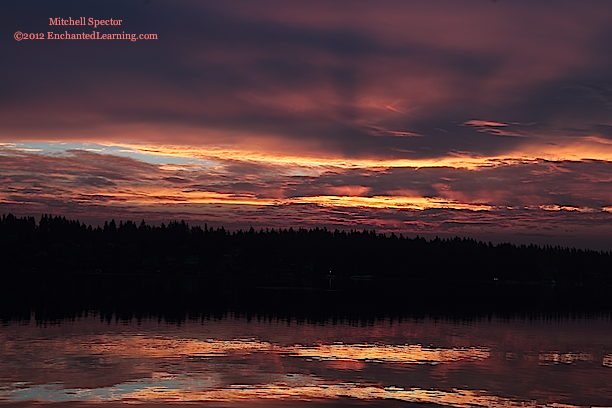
{"x":273,"y":78}
{"x":511,"y":199}
{"x":484,"y":123}
{"x":520,"y":183}
{"x":404,"y":115}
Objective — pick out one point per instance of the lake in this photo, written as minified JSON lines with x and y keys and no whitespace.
{"x":239,"y":361}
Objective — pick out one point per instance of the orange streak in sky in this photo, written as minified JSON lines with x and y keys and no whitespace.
{"x":399,"y":202}
{"x":169,"y":196}
{"x":589,"y":148}
{"x":305,"y":161}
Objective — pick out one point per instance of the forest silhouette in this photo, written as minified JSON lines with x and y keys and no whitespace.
{"x":59,"y":266}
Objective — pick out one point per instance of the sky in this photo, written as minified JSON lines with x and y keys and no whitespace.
{"x":472,"y":118}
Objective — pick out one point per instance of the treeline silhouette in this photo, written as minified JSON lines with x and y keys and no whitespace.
{"x":283,"y":257}
{"x":58,"y":266}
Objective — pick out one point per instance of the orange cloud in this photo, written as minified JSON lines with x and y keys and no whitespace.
{"x":411,"y":203}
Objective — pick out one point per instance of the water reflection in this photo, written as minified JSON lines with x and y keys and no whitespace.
{"x":169,"y":347}
{"x":607,"y":360}
{"x":158,"y":347}
{"x":294,"y":387}
{"x":407,"y":354}
{"x":488,"y":364}
{"x":565,"y":358}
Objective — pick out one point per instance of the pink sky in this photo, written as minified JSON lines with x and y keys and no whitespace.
{"x":472,"y":118}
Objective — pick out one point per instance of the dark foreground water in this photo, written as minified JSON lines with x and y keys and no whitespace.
{"x":240,"y":362}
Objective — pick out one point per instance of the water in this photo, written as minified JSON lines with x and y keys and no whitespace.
{"x":242,"y":362}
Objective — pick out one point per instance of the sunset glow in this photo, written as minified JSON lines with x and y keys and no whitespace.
{"x":273,"y":203}
{"x":368,"y":117}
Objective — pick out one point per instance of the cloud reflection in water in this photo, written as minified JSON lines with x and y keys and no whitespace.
{"x":140,"y":366}
{"x":293,"y":387}
{"x":406,"y":354}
